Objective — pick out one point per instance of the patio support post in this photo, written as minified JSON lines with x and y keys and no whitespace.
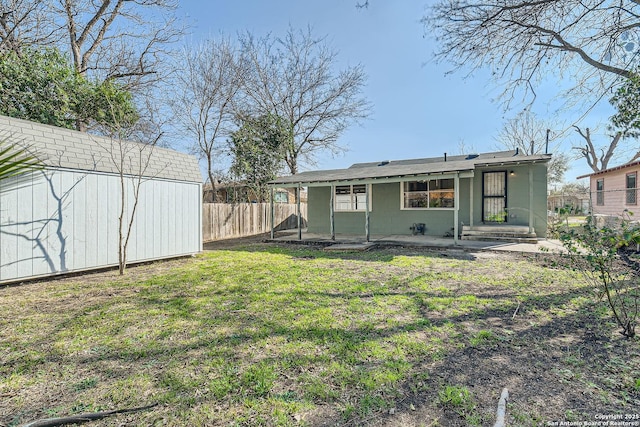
{"x":273,"y":214}
{"x":299,"y":218}
{"x":530,"y":199}
{"x":456,"y":202}
{"x":471,"y":202}
{"x":332,"y":223}
{"x":366,"y":211}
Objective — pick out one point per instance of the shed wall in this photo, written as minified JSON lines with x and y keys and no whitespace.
{"x":57,"y":221}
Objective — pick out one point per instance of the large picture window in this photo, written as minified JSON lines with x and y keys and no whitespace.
{"x":429,"y":194}
{"x":351,"y":198}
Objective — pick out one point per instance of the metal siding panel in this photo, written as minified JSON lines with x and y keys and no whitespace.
{"x":8,"y":229}
{"x":55,"y":241}
{"x":149,"y":225}
{"x":91,"y":220}
{"x":137,"y":231}
{"x":164,"y":227}
{"x":157,"y":219}
{"x":113,"y":211}
{"x":78,"y":197}
{"x":173,"y":218}
{"x":66,"y":199}
{"x":24,"y":228}
{"x":142,"y":217}
{"x":102,"y":221}
{"x":132,"y":250}
{"x":42,"y":262}
{"x":188,"y":212}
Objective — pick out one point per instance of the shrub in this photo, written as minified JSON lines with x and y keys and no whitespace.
{"x":606,"y":257}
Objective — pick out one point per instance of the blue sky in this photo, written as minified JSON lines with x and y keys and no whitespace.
{"x":418,"y":109}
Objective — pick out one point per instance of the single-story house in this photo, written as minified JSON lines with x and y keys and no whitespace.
{"x":443,"y":196}
{"x":615,"y":190}
{"x":64,"y":217}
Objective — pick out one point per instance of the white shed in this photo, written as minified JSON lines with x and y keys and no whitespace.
{"x":64,"y":218}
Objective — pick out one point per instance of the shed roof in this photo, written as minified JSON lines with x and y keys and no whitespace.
{"x":411,"y":167}
{"x":69,"y":149}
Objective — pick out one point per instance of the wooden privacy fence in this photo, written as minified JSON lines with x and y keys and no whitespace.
{"x":226,"y":221}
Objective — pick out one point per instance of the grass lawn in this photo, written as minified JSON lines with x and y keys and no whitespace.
{"x":271,"y":335}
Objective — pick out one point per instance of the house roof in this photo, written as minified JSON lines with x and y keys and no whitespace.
{"x":411,"y":167}
{"x":69,"y":149}
{"x":615,"y":168}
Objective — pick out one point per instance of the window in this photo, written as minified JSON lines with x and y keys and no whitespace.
{"x":632,"y":189}
{"x":351,"y":198}
{"x":435,"y":193}
{"x":281,"y":197}
{"x":600,"y":192}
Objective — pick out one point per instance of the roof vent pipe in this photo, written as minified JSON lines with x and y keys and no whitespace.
{"x":445,"y":157}
{"x":517,"y":150}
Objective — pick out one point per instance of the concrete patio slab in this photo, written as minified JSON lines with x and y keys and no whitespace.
{"x":344,"y":241}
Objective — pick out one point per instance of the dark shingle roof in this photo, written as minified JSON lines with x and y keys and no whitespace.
{"x":410,"y":167}
{"x":70,"y":149}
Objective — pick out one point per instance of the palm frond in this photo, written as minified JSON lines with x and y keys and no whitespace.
{"x":15,"y":161}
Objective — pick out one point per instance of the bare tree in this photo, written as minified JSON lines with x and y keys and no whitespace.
{"x":121,"y":41}
{"x":130,"y":149}
{"x":598,"y":158}
{"x":294,"y":78}
{"x":209,"y":81}
{"x":531,"y":135}
{"x":26,"y":23}
{"x":522,"y":42}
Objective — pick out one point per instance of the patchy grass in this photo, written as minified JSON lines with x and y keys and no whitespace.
{"x":276,"y":335}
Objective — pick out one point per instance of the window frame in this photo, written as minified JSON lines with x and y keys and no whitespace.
{"x":600,"y":192}
{"x":353,"y":198}
{"x":631,"y":191}
{"x":428,"y":191}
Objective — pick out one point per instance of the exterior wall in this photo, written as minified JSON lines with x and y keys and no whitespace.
{"x":386,"y":216}
{"x":614,"y":193}
{"x":57,"y":221}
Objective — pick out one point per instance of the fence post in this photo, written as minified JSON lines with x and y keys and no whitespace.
{"x":273,"y":214}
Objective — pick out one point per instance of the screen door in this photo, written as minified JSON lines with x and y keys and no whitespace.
{"x":494,"y":196}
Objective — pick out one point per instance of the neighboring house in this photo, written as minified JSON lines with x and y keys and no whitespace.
{"x":445,"y":193}
{"x":615,"y":190}
{"x":574,"y":202}
{"x":64,"y":217}
{"x":240,"y":193}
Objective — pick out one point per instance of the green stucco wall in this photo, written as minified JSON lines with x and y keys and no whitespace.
{"x":386,"y":217}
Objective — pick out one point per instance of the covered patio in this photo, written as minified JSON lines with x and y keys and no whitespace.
{"x":501,"y":195}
